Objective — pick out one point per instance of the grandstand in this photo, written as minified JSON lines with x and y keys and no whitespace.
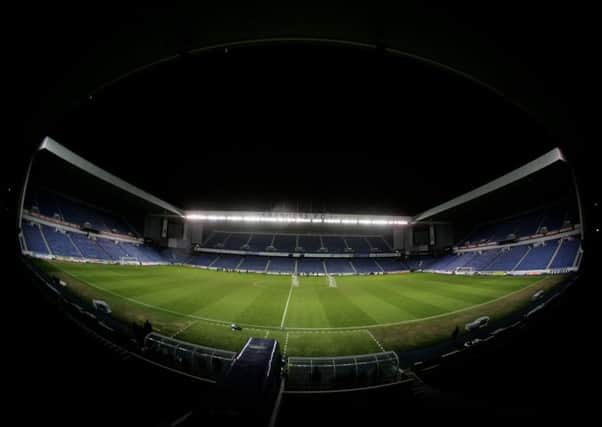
{"x":524,"y":255}
{"x":51,"y":234}
{"x":373,"y":286}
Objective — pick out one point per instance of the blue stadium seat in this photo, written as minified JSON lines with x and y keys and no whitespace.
{"x":285,"y":242}
{"x":253,"y":263}
{"x":216,"y":239}
{"x":227,"y":261}
{"x":281,"y":265}
{"x":358,"y":244}
{"x":507,"y":259}
{"x":481,"y":260}
{"x":309,"y":243}
{"x":259,"y":242}
{"x":539,"y":256}
{"x":378,"y":243}
{"x":528,"y":224}
{"x":33,"y":239}
{"x":114,"y":250}
{"x":334,"y":244}
{"x":553,"y":218}
{"x":203,"y":259}
{"x":567,"y":253}
{"x":89,"y":248}
{"x":310,"y":265}
{"x":365,"y":265}
{"x":236,"y":241}
{"x":391,"y":264}
{"x":339,"y":265}
{"x":59,"y":243}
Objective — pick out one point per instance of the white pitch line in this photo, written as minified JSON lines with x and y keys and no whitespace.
{"x":159,"y":308}
{"x":450,"y":353}
{"x":194,"y":322}
{"x":267,"y":333}
{"x":285,"y":344}
{"x":181,"y":419}
{"x":375,"y":340}
{"x":286,"y":306}
{"x":263,"y":327}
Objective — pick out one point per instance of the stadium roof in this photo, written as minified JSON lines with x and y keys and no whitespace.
{"x":287,"y":217}
{"x":533,"y":166}
{"x":50,"y":145}
{"x":300,"y":128}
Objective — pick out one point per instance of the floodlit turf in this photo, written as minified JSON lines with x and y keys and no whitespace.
{"x":362,"y":314}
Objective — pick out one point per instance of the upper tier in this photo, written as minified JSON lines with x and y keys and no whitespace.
{"x":308,"y":243}
{"x":535,"y":223}
{"x":75,"y":213}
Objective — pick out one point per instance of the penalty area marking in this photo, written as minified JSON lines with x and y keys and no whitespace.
{"x":194,"y":322}
{"x":375,"y":340}
{"x":285,"y":344}
{"x":290,"y":293}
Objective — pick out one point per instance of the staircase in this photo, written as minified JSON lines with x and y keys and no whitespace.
{"x":79,"y":251}
{"x":555,"y":253}
{"x":44,"y":239}
{"x":353,"y":267}
{"x":239,"y":263}
{"x":522,"y":258}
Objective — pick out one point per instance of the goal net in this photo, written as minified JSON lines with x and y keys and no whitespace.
{"x":464,"y":270}
{"x":332,"y":283}
{"x":129,"y":260}
{"x":295,"y":281}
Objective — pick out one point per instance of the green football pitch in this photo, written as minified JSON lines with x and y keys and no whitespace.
{"x":313,"y":317}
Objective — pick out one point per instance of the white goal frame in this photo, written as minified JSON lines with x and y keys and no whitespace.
{"x":332,"y":282}
{"x":129,"y":260}
{"x":465,"y":270}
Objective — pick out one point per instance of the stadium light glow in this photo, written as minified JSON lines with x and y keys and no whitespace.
{"x":291,"y":218}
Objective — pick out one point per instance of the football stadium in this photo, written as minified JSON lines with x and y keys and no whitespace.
{"x":347,"y":301}
{"x":208,"y":229}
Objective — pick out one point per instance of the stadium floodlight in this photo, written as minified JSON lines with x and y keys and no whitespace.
{"x":196,"y":217}
{"x":216,"y":217}
{"x":293,"y":218}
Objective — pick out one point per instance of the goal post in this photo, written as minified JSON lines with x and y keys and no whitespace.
{"x":332,"y":283}
{"x":464,"y":270}
{"x":129,"y":260}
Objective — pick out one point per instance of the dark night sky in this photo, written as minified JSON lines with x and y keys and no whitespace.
{"x":351,"y":132}
{"x":329,"y":129}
